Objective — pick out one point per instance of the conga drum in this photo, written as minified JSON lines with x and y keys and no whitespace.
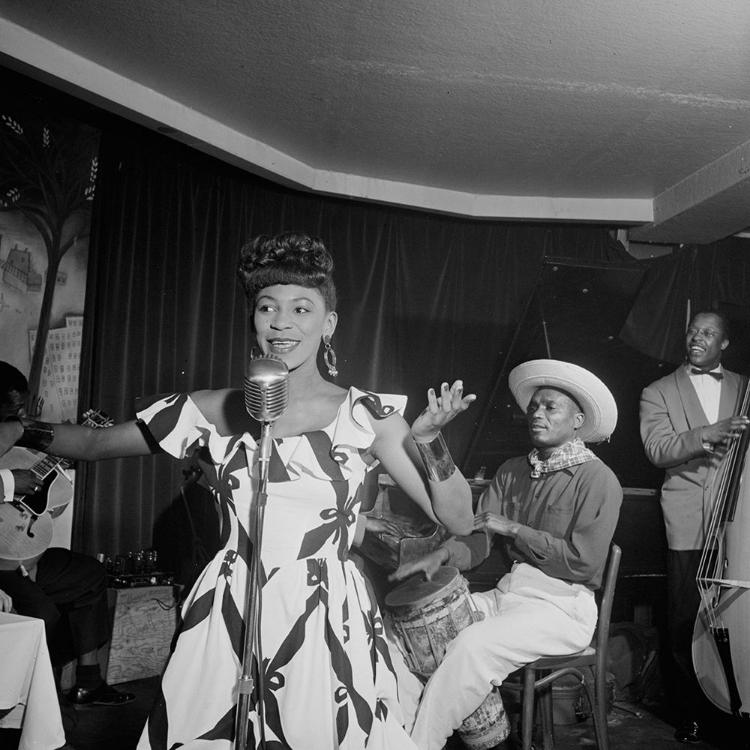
{"x":427,"y":616}
{"x":487,"y":726}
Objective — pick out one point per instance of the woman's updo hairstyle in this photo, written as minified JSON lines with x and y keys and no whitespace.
{"x":288,"y":258}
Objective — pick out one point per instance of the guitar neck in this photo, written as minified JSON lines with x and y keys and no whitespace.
{"x":46,"y":466}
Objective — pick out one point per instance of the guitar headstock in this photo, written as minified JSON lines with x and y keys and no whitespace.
{"x":96,"y":418}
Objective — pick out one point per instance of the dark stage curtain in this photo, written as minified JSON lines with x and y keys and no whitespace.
{"x":423,"y":298}
{"x":690,"y":279}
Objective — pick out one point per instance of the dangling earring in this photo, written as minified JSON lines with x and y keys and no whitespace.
{"x":329,"y":356}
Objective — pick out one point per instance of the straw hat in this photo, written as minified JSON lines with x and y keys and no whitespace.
{"x":595,"y":399}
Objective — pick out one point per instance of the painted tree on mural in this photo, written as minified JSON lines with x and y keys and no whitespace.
{"x":48,"y":171}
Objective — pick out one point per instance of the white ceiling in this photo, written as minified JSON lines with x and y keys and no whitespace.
{"x":633,"y":113}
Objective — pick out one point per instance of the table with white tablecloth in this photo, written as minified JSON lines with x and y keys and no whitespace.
{"x":28,"y":696}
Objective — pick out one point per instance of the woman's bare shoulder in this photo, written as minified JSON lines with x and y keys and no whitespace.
{"x":335,"y":393}
{"x":212,"y":399}
{"x":224,"y":408}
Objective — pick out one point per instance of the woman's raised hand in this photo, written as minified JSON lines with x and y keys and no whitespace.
{"x":441,"y":408}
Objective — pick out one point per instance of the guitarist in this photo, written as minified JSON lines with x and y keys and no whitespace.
{"x":64,"y":588}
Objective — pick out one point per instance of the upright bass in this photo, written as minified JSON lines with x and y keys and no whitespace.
{"x":721,"y":637}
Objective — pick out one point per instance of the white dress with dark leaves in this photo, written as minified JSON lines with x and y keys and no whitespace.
{"x":330,"y":674}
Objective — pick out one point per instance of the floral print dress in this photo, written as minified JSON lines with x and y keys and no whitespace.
{"x":329,"y":672}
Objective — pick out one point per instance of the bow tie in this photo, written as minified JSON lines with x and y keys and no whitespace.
{"x":713,"y":373}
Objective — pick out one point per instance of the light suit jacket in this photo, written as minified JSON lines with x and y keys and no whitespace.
{"x":671,"y":417}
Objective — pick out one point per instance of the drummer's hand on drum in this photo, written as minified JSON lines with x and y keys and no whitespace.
{"x":6,"y":603}
{"x":441,"y":408}
{"x":378,"y":526}
{"x":427,"y":565}
{"x":496,"y":523}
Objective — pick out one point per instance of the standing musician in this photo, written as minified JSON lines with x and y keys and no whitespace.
{"x":556,"y":510}
{"x":687,"y":419}
{"x":65,"y":589}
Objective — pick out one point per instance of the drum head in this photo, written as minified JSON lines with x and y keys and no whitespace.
{"x":416,"y":590}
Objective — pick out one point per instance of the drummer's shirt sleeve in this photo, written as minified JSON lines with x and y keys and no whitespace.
{"x":466,"y":552}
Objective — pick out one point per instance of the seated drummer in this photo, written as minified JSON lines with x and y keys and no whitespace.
{"x":556,"y":510}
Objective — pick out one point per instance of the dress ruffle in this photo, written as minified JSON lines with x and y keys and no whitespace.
{"x":349,"y":433}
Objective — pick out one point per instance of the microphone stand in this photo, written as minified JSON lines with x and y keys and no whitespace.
{"x":253,"y":602}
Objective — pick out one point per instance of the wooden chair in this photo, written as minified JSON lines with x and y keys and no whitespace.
{"x":539,"y":675}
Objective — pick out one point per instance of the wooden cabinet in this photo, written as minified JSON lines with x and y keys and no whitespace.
{"x":144,"y":623}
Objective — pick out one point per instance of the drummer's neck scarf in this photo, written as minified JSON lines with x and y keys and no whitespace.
{"x":570,"y":454}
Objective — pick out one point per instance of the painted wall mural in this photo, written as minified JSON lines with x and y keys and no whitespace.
{"x":48,"y":168}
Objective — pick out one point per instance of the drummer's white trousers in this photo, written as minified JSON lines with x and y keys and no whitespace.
{"x":527,"y":615}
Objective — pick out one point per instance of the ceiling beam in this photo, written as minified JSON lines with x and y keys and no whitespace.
{"x":61,"y":68}
{"x":709,"y":205}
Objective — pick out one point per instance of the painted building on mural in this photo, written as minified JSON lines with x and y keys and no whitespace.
{"x":19,"y":273}
{"x":59,"y":383}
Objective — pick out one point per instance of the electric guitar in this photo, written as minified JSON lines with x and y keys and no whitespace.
{"x":26,"y":522}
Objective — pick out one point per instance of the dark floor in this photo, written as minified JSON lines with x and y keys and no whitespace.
{"x":630,"y":726}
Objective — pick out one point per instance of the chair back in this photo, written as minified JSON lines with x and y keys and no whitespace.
{"x":608,"y":595}
{"x":594,"y":657}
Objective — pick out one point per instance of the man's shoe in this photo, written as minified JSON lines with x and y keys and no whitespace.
{"x":104,"y":695}
{"x":689,"y":733}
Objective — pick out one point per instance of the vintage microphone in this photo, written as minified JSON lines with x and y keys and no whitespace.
{"x":266,"y":398}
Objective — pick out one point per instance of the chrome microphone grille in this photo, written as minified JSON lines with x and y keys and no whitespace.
{"x":266,"y":388}
{"x":266,"y":402}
